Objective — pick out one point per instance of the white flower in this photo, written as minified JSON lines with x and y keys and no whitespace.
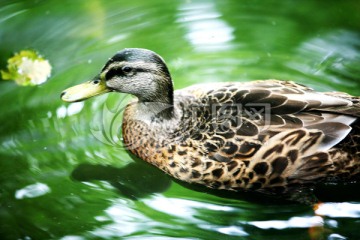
{"x":36,"y":71}
{"x":27,"y":68}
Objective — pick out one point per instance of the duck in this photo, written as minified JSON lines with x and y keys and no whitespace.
{"x":270,"y":137}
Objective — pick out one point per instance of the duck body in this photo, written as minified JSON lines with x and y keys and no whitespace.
{"x":268,"y":136}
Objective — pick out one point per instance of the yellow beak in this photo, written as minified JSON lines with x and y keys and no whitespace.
{"x":84,"y":91}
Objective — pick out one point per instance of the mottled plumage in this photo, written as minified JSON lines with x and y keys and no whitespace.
{"x":269,"y":136}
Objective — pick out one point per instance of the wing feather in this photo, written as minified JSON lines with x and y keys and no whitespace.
{"x":283,"y":97}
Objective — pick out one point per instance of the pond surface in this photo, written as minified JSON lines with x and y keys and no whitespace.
{"x":64,"y":174}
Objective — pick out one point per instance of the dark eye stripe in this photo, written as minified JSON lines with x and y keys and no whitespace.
{"x":120,"y":72}
{"x":111,"y":73}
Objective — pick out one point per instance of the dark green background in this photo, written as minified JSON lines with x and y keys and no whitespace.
{"x":96,"y":190}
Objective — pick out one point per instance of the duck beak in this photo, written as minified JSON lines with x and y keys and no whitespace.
{"x":85,"y":90}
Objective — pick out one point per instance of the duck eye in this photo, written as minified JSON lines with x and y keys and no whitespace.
{"x":126,"y":69}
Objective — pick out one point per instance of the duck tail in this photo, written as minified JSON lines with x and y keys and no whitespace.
{"x":349,"y":152}
{"x":346,"y":154}
{"x":352,"y":110}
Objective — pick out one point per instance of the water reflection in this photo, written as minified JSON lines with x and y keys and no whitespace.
{"x":294,"y":222}
{"x":332,"y":56}
{"x":134,"y":181}
{"x":205,"y":28}
{"x":32,"y":191}
{"x":58,"y":181}
{"x":70,"y":110}
{"x":124,"y":220}
{"x":183,"y":210}
{"x":339,"y":210}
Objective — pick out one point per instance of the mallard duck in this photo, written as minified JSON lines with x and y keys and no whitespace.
{"x":267,"y":136}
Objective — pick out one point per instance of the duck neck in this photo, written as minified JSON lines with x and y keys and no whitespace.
{"x":156,"y":110}
{"x":161,"y":106}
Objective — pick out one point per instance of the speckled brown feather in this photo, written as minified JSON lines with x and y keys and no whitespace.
{"x":305,"y":137}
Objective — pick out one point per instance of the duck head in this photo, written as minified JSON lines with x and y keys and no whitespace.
{"x":136,"y":71}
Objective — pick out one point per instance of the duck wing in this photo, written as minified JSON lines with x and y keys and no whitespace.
{"x":283,"y":132}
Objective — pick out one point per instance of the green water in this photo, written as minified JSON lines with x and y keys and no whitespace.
{"x":62,"y":179}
